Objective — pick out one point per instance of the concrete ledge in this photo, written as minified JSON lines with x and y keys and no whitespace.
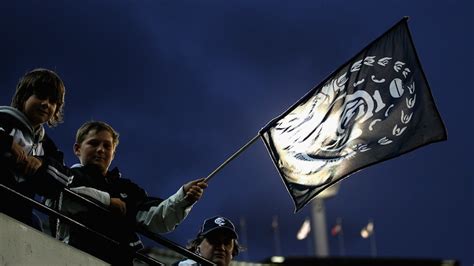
{"x":23,"y":245}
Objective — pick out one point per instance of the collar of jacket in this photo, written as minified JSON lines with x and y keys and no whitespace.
{"x":92,"y":170}
{"x":21,"y":117}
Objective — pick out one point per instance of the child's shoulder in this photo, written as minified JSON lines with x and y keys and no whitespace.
{"x":50,"y":148}
{"x":12,"y":118}
{"x":128,"y":184}
{"x":126,"y":181}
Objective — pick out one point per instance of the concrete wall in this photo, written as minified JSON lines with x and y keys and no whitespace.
{"x":23,"y":245}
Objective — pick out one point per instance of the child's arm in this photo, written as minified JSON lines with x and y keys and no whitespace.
{"x":82,"y":185}
{"x":12,"y":151}
{"x":118,"y":206}
{"x":18,"y":152}
{"x":7,"y":145}
{"x":165,"y":216}
{"x":94,"y":194}
{"x":51,"y":178}
{"x":115,"y":205}
{"x":29,"y":165}
{"x":5,"y":141}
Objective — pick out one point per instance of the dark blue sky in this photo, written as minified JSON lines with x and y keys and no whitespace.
{"x":187,"y":83}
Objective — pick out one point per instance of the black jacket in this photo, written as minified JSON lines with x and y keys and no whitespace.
{"x":15,"y":127}
{"x":118,"y":228}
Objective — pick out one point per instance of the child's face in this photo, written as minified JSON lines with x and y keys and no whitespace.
{"x":97,"y":149}
{"x":39,"y":110}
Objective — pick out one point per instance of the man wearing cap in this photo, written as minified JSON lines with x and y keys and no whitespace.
{"x":216,"y":241}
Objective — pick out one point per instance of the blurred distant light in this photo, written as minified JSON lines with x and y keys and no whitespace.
{"x":278,"y":259}
{"x":448,"y":263}
{"x":364,"y":233}
{"x":304,"y":230}
{"x":370,"y":227}
{"x":368,"y":230}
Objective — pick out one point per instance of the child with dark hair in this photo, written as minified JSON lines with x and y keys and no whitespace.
{"x":24,"y":145}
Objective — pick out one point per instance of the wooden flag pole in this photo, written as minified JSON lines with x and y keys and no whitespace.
{"x":243,"y":148}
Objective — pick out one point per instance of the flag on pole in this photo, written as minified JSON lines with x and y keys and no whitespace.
{"x":375,"y":107}
{"x":336,"y":230}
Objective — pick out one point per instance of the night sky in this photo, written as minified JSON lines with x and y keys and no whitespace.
{"x":187,"y":83}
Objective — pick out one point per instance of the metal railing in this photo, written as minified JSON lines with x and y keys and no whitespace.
{"x":139,"y":229}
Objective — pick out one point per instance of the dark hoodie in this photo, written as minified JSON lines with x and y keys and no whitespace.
{"x":15,"y":127}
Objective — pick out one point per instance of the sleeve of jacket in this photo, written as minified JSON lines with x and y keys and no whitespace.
{"x":165,"y":216}
{"x":51,"y":178}
{"x":82,"y":184}
{"x":5,"y":139}
{"x":95,"y":195}
{"x":133,"y":195}
{"x":51,"y":150}
{"x":5,"y":142}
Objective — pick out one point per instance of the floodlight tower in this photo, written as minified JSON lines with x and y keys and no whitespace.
{"x":318,"y":214}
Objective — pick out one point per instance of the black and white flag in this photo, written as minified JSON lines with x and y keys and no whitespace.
{"x":375,"y":107}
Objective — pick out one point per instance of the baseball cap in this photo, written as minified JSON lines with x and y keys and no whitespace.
{"x":217,"y":223}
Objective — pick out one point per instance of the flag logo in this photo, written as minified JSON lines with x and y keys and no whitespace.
{"x":375,"y":107}
{"x":331,"y":128}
